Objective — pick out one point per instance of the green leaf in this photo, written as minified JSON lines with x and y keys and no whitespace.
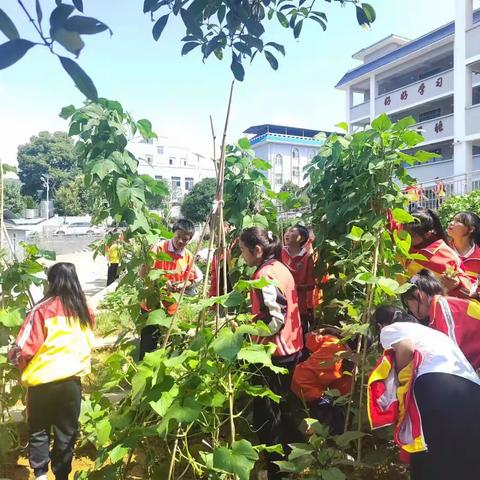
{"x":71,"y":41}
{"x":271,"y":59}
{"x":402,"y":216}
{"x":59,"y":15}
{"x":118,"y":453}
{"x":244,"y":143}
{"x":239,"y":460}
{"x":283,"y":19}
{"x":38,"y":9}
{"x":85,"y":25}
{"x":103,"y":428}
{"x":82,"y":81}
{"x":145,"y":129}
{"x":369,"y":12}
{"x":237,"y":68}
{"x":159,"y":26}
{"x":123,"y":191}
{"x":297,"y":29}
{"x":227,"y":344}
{"x":7,"y":27}
{"x":381,"y":123}
{"x":67,"y":112}
{"x":158,"y":317}
{"x":260,"y":354}
{"x":261,"y":164}
{"x":190,"y":23}
{"x":333,"y":473}
{"x":186,"y":412}
{"x":13,"y":50}
{"x":277,"y":46}
{"x":343,"y":126}
{"x":404,"y":123}
{"x":11,"y":318}
{"x":388,"y":285}
{"x":78,"y":5}
{"x":345,"y":438}
{"x":355,"y":234}
{"x":362,"y":18}
{"x":189,"y":46}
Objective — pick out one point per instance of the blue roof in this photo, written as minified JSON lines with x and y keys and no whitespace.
{"x":258,"y":130}
{"x":413,"y":46}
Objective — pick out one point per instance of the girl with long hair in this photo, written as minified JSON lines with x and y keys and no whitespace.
{"x":275,"y":304}
{"x":53,"y":351}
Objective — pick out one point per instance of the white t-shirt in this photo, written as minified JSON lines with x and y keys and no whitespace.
{"x":440,"y":354}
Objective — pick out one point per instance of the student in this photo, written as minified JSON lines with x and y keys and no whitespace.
{"x":112,"y":253}
{"x":323,"y":370}
{"x":52,"y":351}
{"x":459,"y":318}
{"x":300,"y":263}
{"x":429,"y":240}
{"x":276,"y":305}
{"x":180,"y":271}
{"x":441,"y":427}
{"x":464,"y":230}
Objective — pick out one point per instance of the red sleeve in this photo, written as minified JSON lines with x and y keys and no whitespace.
{"x":29,"y":340}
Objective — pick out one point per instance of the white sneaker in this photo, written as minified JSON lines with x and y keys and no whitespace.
{"x":41,"y":477}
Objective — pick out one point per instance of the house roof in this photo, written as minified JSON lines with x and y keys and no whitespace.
{"x":407,"y":49}
{"x":391,"y":39}
{"x":258,"y":130}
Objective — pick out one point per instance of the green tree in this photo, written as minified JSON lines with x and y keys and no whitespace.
{"x":161,"y":199}
{"x":298,"y":196}
{"x":12,"y":197}
{"x":46,"y":153}
{"x":469,"y":202}
{"x":74,"y":199}
{"x":197,"y":204}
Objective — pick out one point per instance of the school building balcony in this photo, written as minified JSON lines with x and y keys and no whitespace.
{"x":473,"y":41}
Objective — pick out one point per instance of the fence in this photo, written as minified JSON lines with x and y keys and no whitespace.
{"x":433,"y":194}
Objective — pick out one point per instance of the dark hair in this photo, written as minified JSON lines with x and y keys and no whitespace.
{"x":270,"y":243}
{"x":470,"y":220}
{"x":184,"y":225}
{"x":424,"y":281}
{"x":303,"y":232}
{"x":388,"y":314}
{"x":427,"y":221}
{"x":63,"y":283}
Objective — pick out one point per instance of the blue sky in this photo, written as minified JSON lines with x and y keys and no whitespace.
{"x":152,"y":80}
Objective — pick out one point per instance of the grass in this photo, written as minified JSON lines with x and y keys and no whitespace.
{"x":112,"y":323}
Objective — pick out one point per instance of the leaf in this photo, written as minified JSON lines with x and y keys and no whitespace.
{"x":227,"y":344}
{"x":67,"y":112}
{"x":190,"y":23}
{"x":159,"y":317}
{"x":85,"y":25}
{"x":388,"y":285}
{"x":345,"y":438}
{"x":103,"y":428}
{"x":282,"y":19}
{"x":271,"y":59}
{"x":7,"y":27}
{"x":244,"y":143}
{"x":11,"y":318}
{"x":237,"y":68}
{"x":320,"y":21}
{"x":145,"y":129}
{"x":261,"y":164}
{"x":123,"y":191}
{"x":381,"y":123}
{"x":369,"y":12}
{"x":78,"y":5}
{"x":59,"y":15}
{"x":402,"y":216}
{"x":277,"y":46}
{"x":362,"y":18}
{"x":239,"y":460}
{"x":13,"y":50}
{"x":355,"y":234}
{"x":259,"y":354}
{"x":333,"y":473}
{"x":82,"y":81}
{"x":298,"y":29}
{"x":343,"y":126}
{"x":187,"y":412}
{"x":188,"y":47}
{"x":38,"y":9}
{"x":159,"y":26}
{"x":118,"y":452}
{"x":71,"y":41}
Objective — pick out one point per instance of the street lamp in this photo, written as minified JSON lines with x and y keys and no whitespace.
{"x":45,"y":179}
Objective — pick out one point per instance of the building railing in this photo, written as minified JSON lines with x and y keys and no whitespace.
{"x":433,"y":193}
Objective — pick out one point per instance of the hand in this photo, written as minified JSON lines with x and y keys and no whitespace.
{"x":449,"y":283}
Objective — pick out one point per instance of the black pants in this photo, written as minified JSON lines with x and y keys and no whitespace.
{"x":53,"y":406}
{"x":307,"y":321}
{"x":149,"y":337}
{"x":112,"y":273}
{"x":274,"y":422}
{"x":449,"y":406}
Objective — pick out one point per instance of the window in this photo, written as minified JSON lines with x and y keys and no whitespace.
{"x":278,"y":179}
{"x":278,"y":161}
{"x":158,"y":177}
{"x":431,"y":114}
{"x":188,"y":183}
{"x":183,"y":161}
{"x":176,"y":182}
{"x":160,"y":150}
{"x":171,"y":160}
{"x":296,"y":172}
{"x":149,"y":159}
{"x":295,"y":154}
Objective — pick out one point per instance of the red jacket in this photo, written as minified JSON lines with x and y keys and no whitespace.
{"x":471,"y":263}
{"x":277,"y":306}
{"x":301,"y":267}
{"x":459,"y":318}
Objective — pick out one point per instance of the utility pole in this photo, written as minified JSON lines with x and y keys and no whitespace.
{"x":1,"y":204}
{"x":46,"y":183}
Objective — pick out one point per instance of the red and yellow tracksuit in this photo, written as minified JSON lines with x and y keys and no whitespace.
{"x":439,"y":257}
{"x":277,"y":306}
{"x":459,"y":318}
{"x":50,"y":346}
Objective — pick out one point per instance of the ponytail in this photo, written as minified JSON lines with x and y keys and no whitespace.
{"x":427,"y":221}
{"x":270,"y":243}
